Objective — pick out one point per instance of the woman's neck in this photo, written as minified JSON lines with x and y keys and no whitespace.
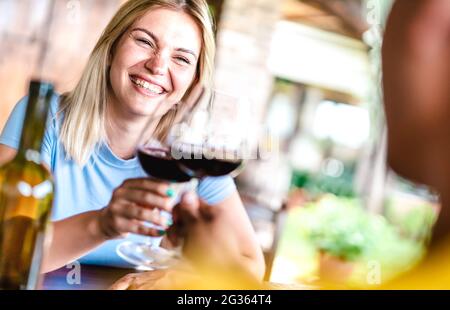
{"x":124,"y":132}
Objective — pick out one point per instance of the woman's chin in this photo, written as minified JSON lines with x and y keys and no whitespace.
{"x":144,"y":106}
{"x":145,"y":110}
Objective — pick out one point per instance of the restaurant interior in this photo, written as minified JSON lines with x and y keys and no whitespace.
{"x":324,"y":204}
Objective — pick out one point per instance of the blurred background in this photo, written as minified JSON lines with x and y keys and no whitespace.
{"x":325,"y":207}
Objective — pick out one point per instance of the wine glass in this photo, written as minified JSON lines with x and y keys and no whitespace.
{"x":155,"y":159}
{"x":210,"y":137}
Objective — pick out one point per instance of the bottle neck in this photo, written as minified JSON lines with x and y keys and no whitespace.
{"x":40,"y":95}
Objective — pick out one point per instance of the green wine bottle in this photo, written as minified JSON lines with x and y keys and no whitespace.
{"x":26,"y":195}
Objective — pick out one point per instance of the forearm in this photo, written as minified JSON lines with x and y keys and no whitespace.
{"x":72,"y":238}
{"x":239,"y":226}
{"x":254,"y":263}
{"x":415,"y":56}
{"x":416,"y":72}
{"x":221,"y":249}
{"x":218,"y":237}
{"x":251,"y":256}
{"x":416,"y":67}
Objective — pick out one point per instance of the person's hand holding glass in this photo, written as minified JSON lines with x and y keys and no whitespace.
{"x":205,"y":140}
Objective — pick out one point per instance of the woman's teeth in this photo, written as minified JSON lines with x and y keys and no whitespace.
{"x":146,"y":85}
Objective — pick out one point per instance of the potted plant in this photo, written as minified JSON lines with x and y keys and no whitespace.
{"x":338,"y":229}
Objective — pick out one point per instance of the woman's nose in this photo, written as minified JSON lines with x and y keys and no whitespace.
{"x":157,"y":64}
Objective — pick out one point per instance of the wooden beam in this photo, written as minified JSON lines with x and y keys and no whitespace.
{"x":349,"y":13}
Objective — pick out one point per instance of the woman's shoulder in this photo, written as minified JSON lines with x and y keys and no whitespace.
{"x":214,"y":190}
{"x":55,"y":115}
{"x":12,"y":130}
{"x":21,"y":105}
{"x":55,"y":103}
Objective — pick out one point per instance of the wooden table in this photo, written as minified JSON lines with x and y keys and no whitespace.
{"x":101,"y":278}
{"x":91,"y":278}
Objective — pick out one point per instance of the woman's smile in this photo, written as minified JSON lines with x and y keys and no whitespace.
{"x":155,"y":62}
{"x":147,"y":87}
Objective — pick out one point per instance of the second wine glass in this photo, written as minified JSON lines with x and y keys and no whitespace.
{"x":209,"y":137}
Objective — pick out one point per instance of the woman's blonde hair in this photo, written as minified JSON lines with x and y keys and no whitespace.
{"x":84,"y":107}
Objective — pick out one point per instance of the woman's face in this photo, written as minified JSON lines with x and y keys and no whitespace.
{"x":155,"y":62}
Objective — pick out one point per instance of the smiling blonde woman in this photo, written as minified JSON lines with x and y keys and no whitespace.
{"x":150,"y":55}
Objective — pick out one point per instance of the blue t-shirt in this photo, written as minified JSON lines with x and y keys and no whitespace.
{"x":82,"y":189}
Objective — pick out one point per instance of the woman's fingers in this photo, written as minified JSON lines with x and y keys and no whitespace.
{"x":144,"y":198}
{"x":136,"y":280}
{"x":166,"y":243}
{"x":188,"y":209}
{"x":184,"y":215}
{"x":158,"y":187}
{"x":133,"y":204}
{"x":123,"y":283}
{"x":175,"y":233}
{"x":208,"y":213}
{"x":115,"y":225}
{"x":138,"y":227}
{"x":146,"y":278}
{"x":133,"y":211}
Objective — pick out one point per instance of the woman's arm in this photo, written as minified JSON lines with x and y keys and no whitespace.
{"x":72,"y":238}
{"x":416,"y":75}
{"x":219,"y":245}
{"x":131,"y":206}
{"x":6,"y":154}
{"x":416,"y":72}
{"x":217,"y":237}
{"x":232,"y":213}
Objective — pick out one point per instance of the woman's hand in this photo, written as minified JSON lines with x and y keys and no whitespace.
{"x":208,"y":237}
{"x":213,"y":242}
{"x":212,"y":256}
{"x":179,"y":276}
{"x":133,"y":203}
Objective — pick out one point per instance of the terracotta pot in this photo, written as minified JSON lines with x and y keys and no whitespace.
{"x":333,"y":269}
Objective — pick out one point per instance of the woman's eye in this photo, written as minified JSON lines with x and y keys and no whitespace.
{"x":145,"y":41}
{"x":183,"y":60}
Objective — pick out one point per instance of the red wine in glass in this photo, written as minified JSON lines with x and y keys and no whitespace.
{"x":159,"y":163}
{"x":203,"y":161}
{"x":207,"y":132}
